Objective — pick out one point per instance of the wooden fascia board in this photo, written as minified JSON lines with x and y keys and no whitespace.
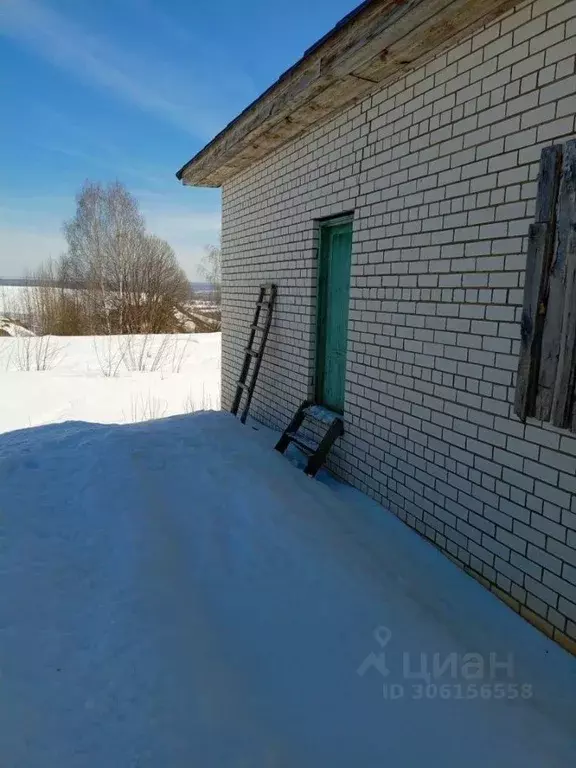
{"x":387,"y":39}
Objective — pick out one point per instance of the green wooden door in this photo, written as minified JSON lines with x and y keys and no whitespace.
{"x":333,"y":296}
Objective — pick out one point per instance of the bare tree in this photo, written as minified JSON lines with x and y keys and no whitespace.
{"x":102,"y":238}
{"x":154,"y":286}
{"x":211,"y":270}
{"x":115,"y":278}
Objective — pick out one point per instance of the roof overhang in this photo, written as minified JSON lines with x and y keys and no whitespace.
{"x":376,"y":43}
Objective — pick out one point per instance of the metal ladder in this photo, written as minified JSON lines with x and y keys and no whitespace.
{"x":316,"y":452}
{"x":266,"y":300}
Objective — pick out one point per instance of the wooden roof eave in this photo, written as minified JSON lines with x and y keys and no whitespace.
{"x":376,"y":45}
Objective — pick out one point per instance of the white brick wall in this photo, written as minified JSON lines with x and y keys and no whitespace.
{"x":440,"y":171}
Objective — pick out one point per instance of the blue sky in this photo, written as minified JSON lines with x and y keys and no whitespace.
{"x":130,"y":90}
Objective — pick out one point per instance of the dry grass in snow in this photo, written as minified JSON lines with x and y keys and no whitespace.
{"x":106,"y":379}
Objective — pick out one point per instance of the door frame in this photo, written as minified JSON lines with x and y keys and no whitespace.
{"x":322,"y":226}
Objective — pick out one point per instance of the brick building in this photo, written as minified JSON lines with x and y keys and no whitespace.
{"x":416,"y":130}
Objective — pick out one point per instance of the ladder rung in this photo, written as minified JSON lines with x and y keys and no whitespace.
{"x":302,"y":442}
{"x":265,"y":299}
{"x":316,"y":451}
{"x":322,"y":414}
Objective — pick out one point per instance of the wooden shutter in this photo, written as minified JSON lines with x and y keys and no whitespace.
{"x":546,"y":367}
{"x":540,"y":246}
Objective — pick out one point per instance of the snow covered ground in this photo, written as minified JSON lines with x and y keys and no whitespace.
{"x":175,"y":593}
{"x":10,"y":328}
{"x":12,"y":298}
{"x":106,"y":379}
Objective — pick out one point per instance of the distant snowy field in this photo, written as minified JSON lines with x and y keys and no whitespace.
{"x":118,"y":379}
{"x":13,"y":300}
{"x":11,"y":296}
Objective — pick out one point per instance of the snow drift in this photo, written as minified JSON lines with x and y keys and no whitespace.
{"x":176,"y":594}
{"x":106,"y":379}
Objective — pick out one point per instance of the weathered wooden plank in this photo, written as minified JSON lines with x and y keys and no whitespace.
{"x":548,"y":181}
{"x":555,"y":302}
{"x":540,"y":243}
{"x":564,"y":387}
{"x":398,"y":33}
{"x":540,"y":247}
{"x":572,"y":423}
{"x":442,"y":31}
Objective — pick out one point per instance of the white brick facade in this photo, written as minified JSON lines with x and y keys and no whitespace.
{"x":440,"y":172}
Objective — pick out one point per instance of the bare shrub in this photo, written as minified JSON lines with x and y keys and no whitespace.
{"x":51,"y":307}
{"x":162,"y":353}
{"x":23,"y":353}
{"x":147,"y":353}
{"x":180,"y":353}
{"x":147,"y":408}
{"x":47,"y":352}
{"x":35,"y":353}
{"x":206,"y":403}
{"x":137,"y":349}
{"x":110,"y":352}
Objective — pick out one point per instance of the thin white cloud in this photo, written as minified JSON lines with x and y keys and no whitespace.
{"x":31,"y":235}
{"x":181,"y":222}
{"x":116,"y":163}
{"x":163,"y":20}
{"x":187,"y":232}
{"x":167,"y":91}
